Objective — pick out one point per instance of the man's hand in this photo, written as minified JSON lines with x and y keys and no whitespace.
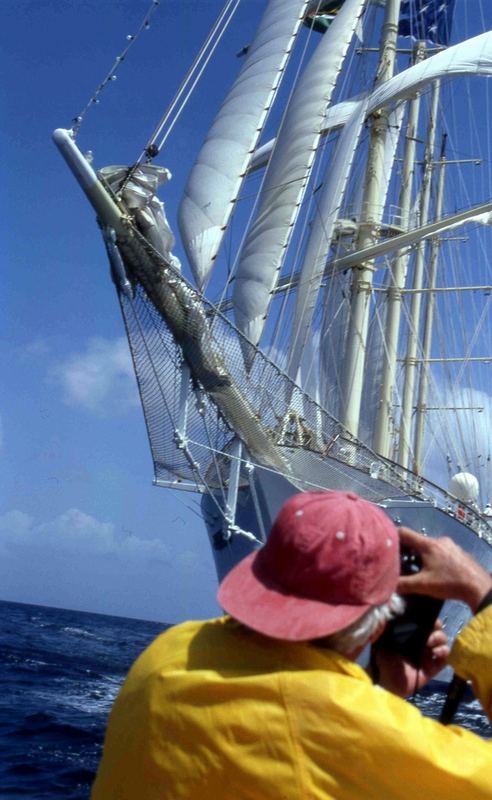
{"x":398,"y":676}
{"x":448,"y":572}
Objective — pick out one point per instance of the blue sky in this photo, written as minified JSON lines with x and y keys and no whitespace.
{"x":81,"y":525}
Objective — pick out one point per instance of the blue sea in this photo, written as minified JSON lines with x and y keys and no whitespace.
{"x":60,"y":672}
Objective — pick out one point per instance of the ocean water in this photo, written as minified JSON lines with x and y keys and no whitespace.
{"x":60,"y":671}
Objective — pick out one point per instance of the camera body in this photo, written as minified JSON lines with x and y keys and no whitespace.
{"x":407,"y":634}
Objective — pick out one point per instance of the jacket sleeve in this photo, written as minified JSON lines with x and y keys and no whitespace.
{"x":471,"y":657}
{"x":360,"y":741}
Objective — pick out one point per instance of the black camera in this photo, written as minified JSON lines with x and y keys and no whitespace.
{"x":407,"y":634}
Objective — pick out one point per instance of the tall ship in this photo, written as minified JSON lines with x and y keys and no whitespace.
{"x":327,"y":324}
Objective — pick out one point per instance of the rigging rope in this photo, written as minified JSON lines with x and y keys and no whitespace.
{"x":192,"y":77}
{"x":209,"y":43}
{"x":111,"y":76}
{"x":463,"y":325}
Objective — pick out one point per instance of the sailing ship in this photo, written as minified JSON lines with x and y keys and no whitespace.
{"x":329,"y":325}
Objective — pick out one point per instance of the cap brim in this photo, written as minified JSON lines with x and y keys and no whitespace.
{"x":265,"y":608}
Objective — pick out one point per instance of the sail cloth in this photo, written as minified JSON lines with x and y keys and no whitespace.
{"x":336,"y":117}
{"x":327,"y":210}
{"x":140,"y":198}
{"x":216,"y":177}
{"x":465,"y":58}
{"x":471,"y":57}
{"x":478,"y":219}
{"x":287,"y":174}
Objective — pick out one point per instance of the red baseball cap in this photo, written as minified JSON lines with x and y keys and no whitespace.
{"x":329,"y":557}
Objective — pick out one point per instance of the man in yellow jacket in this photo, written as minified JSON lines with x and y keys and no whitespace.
{"x":268,"y":703}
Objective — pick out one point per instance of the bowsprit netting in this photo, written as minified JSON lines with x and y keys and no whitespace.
{"x":198,"y":396}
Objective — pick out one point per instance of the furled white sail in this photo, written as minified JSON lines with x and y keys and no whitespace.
{"x":327,"y":210}
{"x":336,"y":116}
{"x":216,"y":177}
{"x":478,"y":219}
{"x":467,"y":57}
{"x":474,"y":56}
{"x":287,"y":174}
{"x":140,"y":197}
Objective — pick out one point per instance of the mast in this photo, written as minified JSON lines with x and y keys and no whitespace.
{"x":371,"y":215}
{"x":423,"y":389}
{"x":382,"y":432}
{"x":410,"y":372}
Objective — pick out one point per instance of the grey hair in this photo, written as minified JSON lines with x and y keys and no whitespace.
{"x":359,"y":632}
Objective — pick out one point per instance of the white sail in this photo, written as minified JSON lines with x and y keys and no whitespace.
{"x":327,"y":210}
{"x":478,"y":219}
{"x":216,"y":177}
{"x":287,"y":174}
{"x":464,"y":58}
{"x":336,"y":117}
{"x":474,"y":56}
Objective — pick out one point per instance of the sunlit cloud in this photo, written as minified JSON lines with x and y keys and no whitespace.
{"x":459,"y":441}
{"x":100,"y":378}
{"x":75,"y":560}
{"x":78,"y":534}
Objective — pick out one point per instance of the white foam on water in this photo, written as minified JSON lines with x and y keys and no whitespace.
{"x":79,"y":632}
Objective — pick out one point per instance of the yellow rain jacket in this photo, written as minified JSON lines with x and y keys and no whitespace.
{"x":212,"y":711}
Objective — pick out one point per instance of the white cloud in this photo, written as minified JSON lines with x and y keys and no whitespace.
{"x":464,"y":435}
{"x":77,"y":561}
{"x":76,"y":533}
{"x":100,"y":378}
